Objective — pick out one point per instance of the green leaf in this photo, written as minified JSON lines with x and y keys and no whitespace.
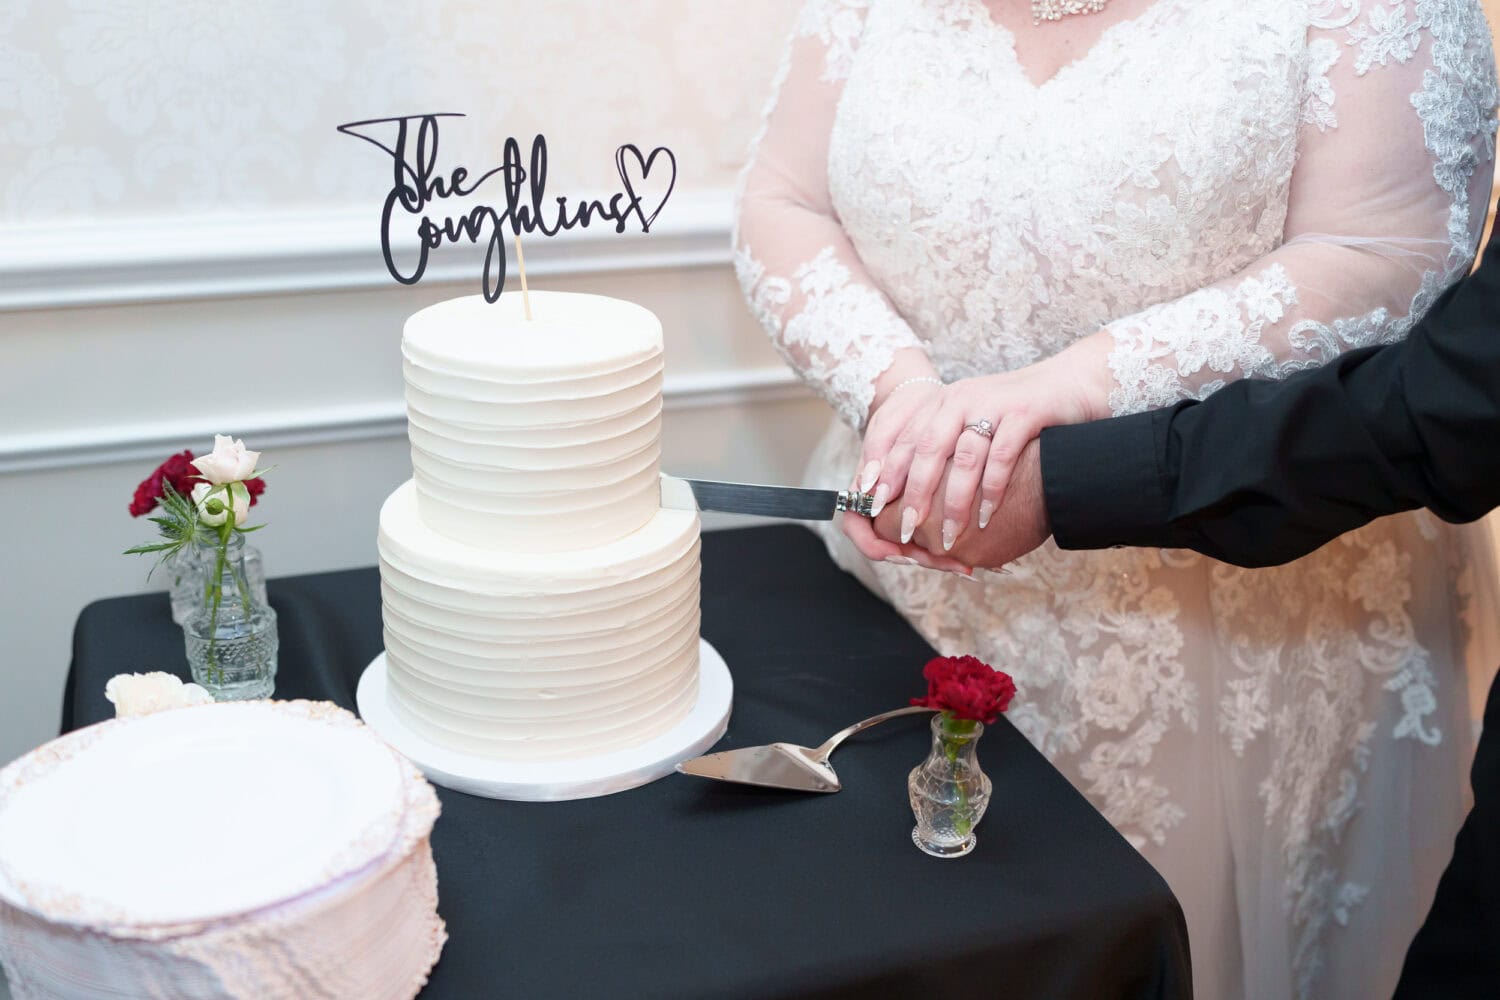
{"x":173,"y":500}
{"x":178,"y":524}
{"x":135,"y":550}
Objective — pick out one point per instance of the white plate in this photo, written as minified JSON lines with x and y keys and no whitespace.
{"x":550,"y":781}
{"x":194,"y":814}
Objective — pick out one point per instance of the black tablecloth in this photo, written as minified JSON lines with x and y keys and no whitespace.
{"x":690,"y":888}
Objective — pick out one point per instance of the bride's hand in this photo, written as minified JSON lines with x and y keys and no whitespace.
{"x":909,"y":388}
{"x":1069,"y":387}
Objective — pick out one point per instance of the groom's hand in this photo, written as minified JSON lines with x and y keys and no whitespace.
{"x":1018,"y":525}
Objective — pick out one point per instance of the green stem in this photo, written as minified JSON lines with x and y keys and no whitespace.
{"x":953,"y":743}
{"x":216,"y":590}
{"x":242,"y":582}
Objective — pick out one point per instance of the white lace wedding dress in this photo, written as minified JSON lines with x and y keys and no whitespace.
{"x":1230,"y":187}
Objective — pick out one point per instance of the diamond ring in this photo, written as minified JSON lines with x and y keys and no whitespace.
{"x":983,"y":428}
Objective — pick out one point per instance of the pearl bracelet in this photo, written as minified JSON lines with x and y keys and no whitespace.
{"x":921,"y":378}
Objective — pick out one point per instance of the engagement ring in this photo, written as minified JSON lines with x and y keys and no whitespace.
{"x":981,"y":427}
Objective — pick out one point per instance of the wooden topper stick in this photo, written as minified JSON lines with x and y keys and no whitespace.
{"x":521,"y":264}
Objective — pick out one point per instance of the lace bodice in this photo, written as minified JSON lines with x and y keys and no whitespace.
{"x":1229,"y":187}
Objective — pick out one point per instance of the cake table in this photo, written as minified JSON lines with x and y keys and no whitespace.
{"x":685,"y":889}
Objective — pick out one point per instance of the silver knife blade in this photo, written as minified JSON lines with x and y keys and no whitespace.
{"x":762,"y":501}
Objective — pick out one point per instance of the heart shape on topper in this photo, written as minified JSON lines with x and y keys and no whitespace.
{"x":645,"y":162}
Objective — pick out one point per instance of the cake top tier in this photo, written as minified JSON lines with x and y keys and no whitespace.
{"x":570,"y":335}
{"x":537,"y":435}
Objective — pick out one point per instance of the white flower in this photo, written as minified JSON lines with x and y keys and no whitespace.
{"x":214,"y":503}
{"x":228,"y":463}
{"x":142,"y":694}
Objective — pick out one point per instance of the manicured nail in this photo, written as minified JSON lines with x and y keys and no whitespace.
{"x":882,"y":497}
{"x":869,"y":476}
{"x":908,"y":524}
{"x":901,"y":560}
{"x":986,"y":511}
{"x":950,"y":534}
{"x":969,"y":576}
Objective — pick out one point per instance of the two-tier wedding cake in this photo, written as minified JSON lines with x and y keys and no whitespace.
{"x":539,"y":604}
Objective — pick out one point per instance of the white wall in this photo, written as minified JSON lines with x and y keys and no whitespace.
{"x":186,"y":247}
{"x":115,"y":109}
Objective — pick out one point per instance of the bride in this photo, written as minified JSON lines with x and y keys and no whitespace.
{"x":965,"y":209}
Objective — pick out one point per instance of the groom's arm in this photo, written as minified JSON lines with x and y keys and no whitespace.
{"x":1263,"y":472}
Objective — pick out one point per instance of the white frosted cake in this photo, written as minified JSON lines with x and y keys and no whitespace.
{"x":243,"y":849}
{"x":538,"y":602}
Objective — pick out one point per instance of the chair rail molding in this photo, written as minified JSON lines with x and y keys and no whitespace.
{"x":314,"y":425}
{"x":174,"y":258}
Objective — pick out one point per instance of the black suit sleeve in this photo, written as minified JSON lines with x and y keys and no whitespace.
{"x":1263,"y":472}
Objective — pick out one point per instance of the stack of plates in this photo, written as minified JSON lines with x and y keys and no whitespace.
{"x":259,"y":849}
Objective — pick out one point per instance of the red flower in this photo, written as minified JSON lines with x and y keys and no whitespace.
{"x":177,"y":470}
{"x":256,"y":486}
{"x":967,"y":688}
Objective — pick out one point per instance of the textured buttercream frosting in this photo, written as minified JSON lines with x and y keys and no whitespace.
{"x":526,"y":657}
{"x":538,"y":602}
{"x":534,"y":435}
{"x":358,"y":920}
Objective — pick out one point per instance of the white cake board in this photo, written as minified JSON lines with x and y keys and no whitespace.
{"x":553,"y":781}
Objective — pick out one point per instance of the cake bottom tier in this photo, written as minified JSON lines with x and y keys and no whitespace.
{"x":532,"y":657}
{"x":374,"y":939}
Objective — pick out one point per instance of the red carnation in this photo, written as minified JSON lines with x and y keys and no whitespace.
{"x":177,"y":470}
{"x":966,"y":688}
{"x":256,"y":486}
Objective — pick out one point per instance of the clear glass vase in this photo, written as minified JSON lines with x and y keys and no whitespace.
{"x":231,"y":634}
{"x":948,"y":791}
{"x":189,"y":571}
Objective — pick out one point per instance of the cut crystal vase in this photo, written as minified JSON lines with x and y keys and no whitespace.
{"x":188,"y":576}
{"x":948,"y":791}
{"x":231,"y":633}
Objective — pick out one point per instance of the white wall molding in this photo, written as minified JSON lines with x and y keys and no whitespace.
{"x":302,"y":427}
{"x":167,"y":258}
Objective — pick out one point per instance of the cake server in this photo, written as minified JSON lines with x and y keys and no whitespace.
{"x":784,"y":765}
{"x":763,"y":501}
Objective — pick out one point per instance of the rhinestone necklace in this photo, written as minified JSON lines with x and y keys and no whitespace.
{"x":1056,"y":10}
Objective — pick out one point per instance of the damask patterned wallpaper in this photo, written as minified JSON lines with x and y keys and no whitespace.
{"x":119,"y":108}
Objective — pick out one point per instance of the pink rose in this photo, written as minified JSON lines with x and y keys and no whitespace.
{"x":229,"y":462}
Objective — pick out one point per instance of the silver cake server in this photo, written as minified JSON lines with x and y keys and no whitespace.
{"x":764,"y":501}
{"x":784,"y":765}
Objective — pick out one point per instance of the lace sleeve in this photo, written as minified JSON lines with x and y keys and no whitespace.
{"x":1386,"y":204}
{"x":802,"y":277}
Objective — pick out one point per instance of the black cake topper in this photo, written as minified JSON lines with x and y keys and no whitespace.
{"x":420,"y":187}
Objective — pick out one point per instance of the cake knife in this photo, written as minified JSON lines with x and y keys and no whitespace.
{"x":762,"y":501}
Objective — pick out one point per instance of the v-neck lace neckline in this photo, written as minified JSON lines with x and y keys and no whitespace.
{"x":1110,"y":39}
